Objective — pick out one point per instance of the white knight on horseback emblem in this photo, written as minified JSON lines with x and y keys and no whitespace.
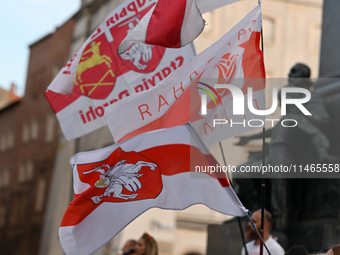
{"x":121,"y":174}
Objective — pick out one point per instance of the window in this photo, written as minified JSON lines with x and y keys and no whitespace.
{"x":40,"y":194}
{"x":29,"y":169}
{"x":3,"y":142}
{"x":18,"y":212}
{"x":7,"y":140}
{"x":34,"y":129}
{"x":10,"y":138}
{"x":4,"y":177}
{"x":21,"y":172}
{"x":26,"y":171}
{"x":268,"y":29}
{"x":26,"y":132}
{"x":30,"y":130}
{"x":50,"y":127}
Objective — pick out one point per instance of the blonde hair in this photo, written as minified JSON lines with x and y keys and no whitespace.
{"x":151,"y":244}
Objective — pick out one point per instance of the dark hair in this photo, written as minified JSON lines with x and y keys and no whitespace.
{"x":305,"y":71}
{"x":297,"y":250}
{"x":336,"y":249}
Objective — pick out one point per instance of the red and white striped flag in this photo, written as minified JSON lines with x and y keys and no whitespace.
{"x":234,"y":59}
{"x":172,"y":24}
{"x":95,"y":77}
{"x":165,"y":169}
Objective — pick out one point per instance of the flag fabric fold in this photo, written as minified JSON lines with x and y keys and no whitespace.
{"x":172,"y":24}
{"x":166,"y":169}
{"x":234,"y":59}
{"x":95,"y":77}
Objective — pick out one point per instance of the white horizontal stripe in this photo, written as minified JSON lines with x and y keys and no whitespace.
{"x":179,"y":192}
{"x":176,"y":135}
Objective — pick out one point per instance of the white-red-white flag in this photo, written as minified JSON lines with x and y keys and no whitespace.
{"x":95,"y":77}
{"x":169,"y":169}
{"x":172,"y":24}
{"x":234,"y":59}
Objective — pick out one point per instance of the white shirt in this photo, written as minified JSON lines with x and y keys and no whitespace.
{"x":273,"y":246}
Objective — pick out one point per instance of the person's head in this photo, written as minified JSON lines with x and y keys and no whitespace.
{"x":267,"y":225}
{"x":335,"y":250}
{"x":299,"y":71}
{"x":146,"y":245}
{"x":129,"y":245}
{"x":297,"y":250}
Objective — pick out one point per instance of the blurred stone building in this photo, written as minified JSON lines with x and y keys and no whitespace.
{"x":28,"y":138}
{"x":39,"y":187}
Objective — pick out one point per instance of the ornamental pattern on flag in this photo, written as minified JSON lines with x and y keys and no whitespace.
{"x":95,"y":77}
{"x":116,"y":184}
{"x":234,"y":59}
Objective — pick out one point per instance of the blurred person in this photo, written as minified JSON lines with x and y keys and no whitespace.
{"x":129,"y":247}
{"x":146,"y":245}
{"x":297,"y":250}
{"x":335,"y":250}
{"x":253,"y":245}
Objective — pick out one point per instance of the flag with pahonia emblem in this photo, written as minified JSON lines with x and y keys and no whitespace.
{"x":114,"y":185}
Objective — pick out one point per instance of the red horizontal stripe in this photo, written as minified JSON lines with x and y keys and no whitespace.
{"x":171,"y":159}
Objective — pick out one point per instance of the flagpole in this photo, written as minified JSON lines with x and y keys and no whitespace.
{"x":257,"y":232}
{"x":263,"y":182}
{"x":263,"y":187}
{"x":238,"y":218}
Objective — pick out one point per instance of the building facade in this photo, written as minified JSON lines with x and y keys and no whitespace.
{"x":29,"y":142}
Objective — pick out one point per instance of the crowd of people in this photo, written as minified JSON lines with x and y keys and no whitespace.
{"x":147,"y":245}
